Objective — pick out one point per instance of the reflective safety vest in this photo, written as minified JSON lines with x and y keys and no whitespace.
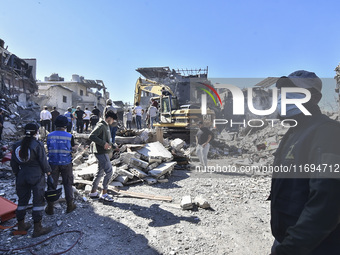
{"x":59,"y":148}
{"x":68,"y":115}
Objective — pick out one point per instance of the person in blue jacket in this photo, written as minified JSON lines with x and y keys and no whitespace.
{"x":59,"y":144}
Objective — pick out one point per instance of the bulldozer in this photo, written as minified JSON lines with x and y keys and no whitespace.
{"x":176,"y":120}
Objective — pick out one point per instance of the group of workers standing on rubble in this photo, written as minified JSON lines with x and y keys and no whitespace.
{"x":305,"y":208}
{"x":77,"y":118}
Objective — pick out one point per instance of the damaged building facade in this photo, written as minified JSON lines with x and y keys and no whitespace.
{"x":18,"y":90}
{"x":182,"y":82}
{"x":56,"y":92}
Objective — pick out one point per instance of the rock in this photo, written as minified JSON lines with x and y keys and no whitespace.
{"x":137,"y":172}
{"x":200,"y":201}
{"x":186,"y":203}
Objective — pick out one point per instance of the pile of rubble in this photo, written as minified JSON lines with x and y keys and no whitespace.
{"x":149,"y":163}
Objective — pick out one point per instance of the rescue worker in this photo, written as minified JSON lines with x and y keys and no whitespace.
{"x":69,"y":117}
{"x":305,"y":208}
{"x":59,"y":144}
{"x":102,"y":146}
{"x":29,"y":164}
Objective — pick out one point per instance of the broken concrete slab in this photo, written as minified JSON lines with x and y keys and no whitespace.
{"x":122,"y":179}
{"x":155,"y":150}
{"x":177,"y":144}
{"x":150,"y":180}
{"x":186,"y":203}
{"x":126,"y":156}
{"x":125,"y":173}
{"x":202,"y":202}
{"x":138,"y":172}
{"x":162,"y":169}
{"x":139,"y":163}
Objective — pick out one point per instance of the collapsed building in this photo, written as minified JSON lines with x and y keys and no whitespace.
{"x":18,"y":89}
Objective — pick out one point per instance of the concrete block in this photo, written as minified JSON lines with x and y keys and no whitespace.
{"x":116,"y":161}
{"x":156,"y":150}
{"x":186,"y":203}
{"x":177,"y":144}
{"x":88,"y":189}
{"x":137,"y":172}
{"x":116,"y":184}
{"x":200,"y":201}
{"x":125,"y":173}
{"x":152,"y":166}
{"x":126,"y":156}
{"x":88,"y":172}
{"x":139,"y":163}
{"x":162,"y":169}
{"x":150,"y":180}
{"x":122,"y":179}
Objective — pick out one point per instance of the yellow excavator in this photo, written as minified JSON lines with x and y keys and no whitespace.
{"x":174,"y":118}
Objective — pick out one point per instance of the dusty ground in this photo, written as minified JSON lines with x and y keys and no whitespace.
{"x":237,"y":223}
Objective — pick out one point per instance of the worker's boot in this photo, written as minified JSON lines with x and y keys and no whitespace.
{"x":40,"y":230}
{"x":22,"y":226}
{"x":70,"y":206}
{"x":49,"y":208}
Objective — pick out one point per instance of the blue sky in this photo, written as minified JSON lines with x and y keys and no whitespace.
{"x":108,"y":39}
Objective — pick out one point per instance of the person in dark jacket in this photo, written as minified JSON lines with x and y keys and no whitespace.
{"x":79,"y":114}
{"x":305,"y":208}
{"x":102,"y":146}
{"x":54,"y":114}
{"x":203,"y":137}
{"x":29,"y":164}
{"x":59,"y":144}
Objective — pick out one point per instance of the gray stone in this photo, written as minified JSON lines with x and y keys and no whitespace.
{"x":186,"y":203}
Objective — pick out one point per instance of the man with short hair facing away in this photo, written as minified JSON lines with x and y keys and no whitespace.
{"x":128,"y":115}
{"x":79,"y":114}
{"x":152,"y":113}
{"x":54,"y":114}
{"x":45,"y":118}
{"x":87,"y":118}
{"x":102,"y":146}
{"x":59,"y":144}
{"x":139,"y":112}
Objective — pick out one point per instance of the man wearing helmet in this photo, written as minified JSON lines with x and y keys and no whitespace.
{"x":59,"y":144}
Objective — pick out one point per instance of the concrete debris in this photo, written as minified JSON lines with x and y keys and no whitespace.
{"x":200,"y":201}
{"x":138,"y":172}
{"x":177,"y":144}
{"x":126,"y":156}
{"x":139,"y":163}
{"x":155,"y":150}
{"x":162,"y":169}
{"x":186,"y":203}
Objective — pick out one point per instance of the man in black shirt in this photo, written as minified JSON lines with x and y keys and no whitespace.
{"x":203,"y":137}
{"x":54,"y":114}
{"x":96,"y":111}
{"x":79,"y":115}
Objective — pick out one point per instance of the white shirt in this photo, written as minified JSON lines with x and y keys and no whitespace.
{"x":152,"y":111}
{"x":138,"y":110}
{"x":88,"y":114}
{"x":128,"y":116}
{"x":45,"y":115}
